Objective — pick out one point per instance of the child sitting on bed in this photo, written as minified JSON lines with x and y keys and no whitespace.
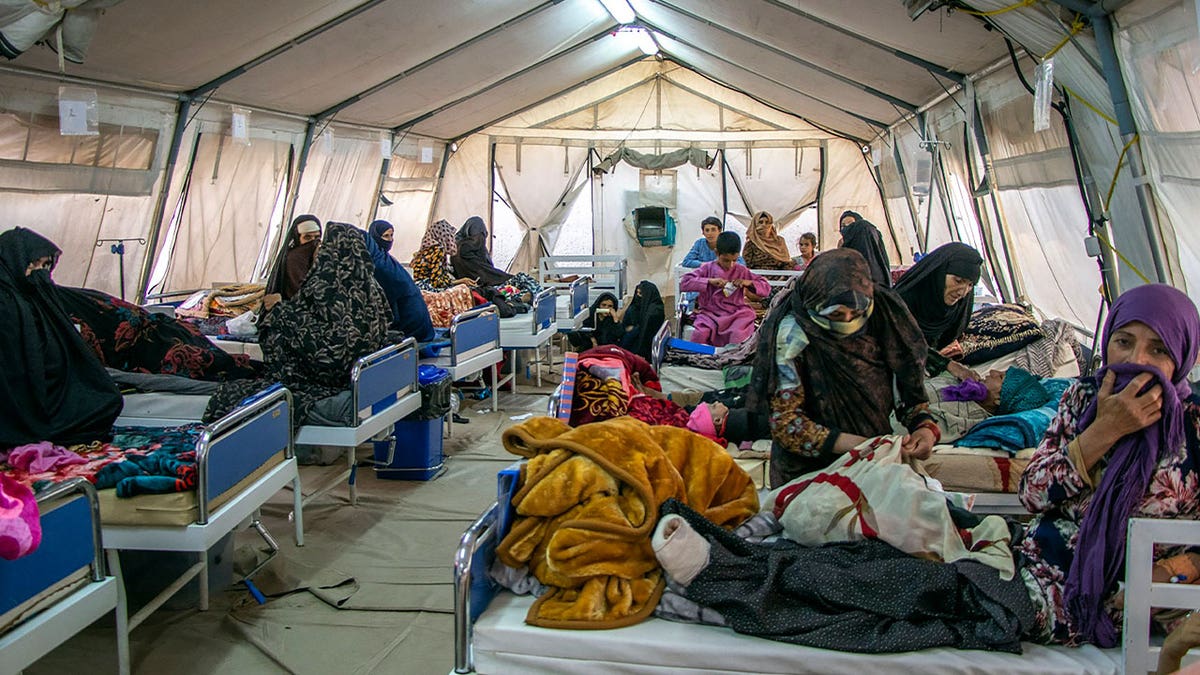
{"x":722,"y":316}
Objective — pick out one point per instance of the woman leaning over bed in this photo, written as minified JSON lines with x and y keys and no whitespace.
{"x":938,"y":292}
{"x":830,"y":357}
{"x":1122,"y":445}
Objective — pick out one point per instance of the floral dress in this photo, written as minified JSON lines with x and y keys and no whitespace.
{"x":431,"y":269}
{"x":1056,"y":490}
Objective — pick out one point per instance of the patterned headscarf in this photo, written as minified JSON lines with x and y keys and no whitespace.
{"x":764,"y":236}
{"x":441,"y":234}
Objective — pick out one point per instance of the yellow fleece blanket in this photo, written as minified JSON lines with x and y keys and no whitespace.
{"x":587,"y":506}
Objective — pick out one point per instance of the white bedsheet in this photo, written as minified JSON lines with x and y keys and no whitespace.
{"x":503,"y":643}
{"x":675,"y":378}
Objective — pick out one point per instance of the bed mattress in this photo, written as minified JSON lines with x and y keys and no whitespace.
{"x":676,"y":378}
{"x":503,"y":643}
{"x":977,"y":469}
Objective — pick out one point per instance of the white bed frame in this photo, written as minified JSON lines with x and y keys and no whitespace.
{"x":1137,"y":654}
{"x":532,"y":330}
{"x":607,"y":273}
{"x":40,"y":634}
{"x":212,"y":525}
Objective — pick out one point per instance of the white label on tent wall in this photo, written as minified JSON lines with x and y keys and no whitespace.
{"x":78,"y":112}
{"x":426,"y":154}
{"x":385,"y":145}
{"x":1043,"y":95}
{"x":239,"y":125}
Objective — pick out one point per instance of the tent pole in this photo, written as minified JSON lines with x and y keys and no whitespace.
{"x":985,"y":231}
{"x":160,"y":204}
{"x":724,"y":192}
{"x":1097,"y":222}
{"x":294,"y":193}
{"x":912,"y":210}
{"x":491,"y":184}
{"x":821,"y":206}
{"x":1117,"y":91}
{"x":437,"y":190}
{"x":887,"y":217}
{"x":989,"y":172}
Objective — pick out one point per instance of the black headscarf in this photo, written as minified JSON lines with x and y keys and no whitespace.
{"x":865,"y":238}
{"x":606,"y":330}
{"x":473,"y":260}
{"x":310,"y":342}
{"x":293,"y":261}
{"x":848,"y":380}
{"x":377,"y":229}
{"x":923,"y":289}
{"x":53,"y":389}
{"x":645,"y":316}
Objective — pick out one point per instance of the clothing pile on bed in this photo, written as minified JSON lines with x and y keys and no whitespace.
{"x":223,"y":302}
{"x":587,"y":504}
{"x":138,"y":460}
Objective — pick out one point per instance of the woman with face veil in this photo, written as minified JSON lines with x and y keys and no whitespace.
{"x":296,"y":257}
{"x":473,"y":260}
{"x":53,"y":389}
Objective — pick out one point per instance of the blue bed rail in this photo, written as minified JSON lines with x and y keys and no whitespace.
{"x":235,"y":445}
{"x":474,"y":332}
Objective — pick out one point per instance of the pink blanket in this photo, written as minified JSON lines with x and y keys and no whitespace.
{"x":20,"y":526}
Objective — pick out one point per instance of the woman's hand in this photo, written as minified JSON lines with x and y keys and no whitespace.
{"x":952,"y":350}
{"x":1185,"y":636}
{"x":1128,"y":411}
{"x":846,"y":442}
{"x":464,"y":282}
{"x":918,"y":444}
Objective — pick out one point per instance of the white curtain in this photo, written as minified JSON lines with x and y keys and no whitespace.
{"x":227,"y":212}
{"x":780,"y":181}
{"x":409,"y":187}
{"x":850,"y":185}
{"x":464,"y":191}
{"x":340,"y":182}
{"x":541,"y":183}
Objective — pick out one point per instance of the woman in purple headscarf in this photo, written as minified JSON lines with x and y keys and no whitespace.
{"x":1124,"y":444}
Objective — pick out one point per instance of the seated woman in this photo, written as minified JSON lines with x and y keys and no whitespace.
{"x":444,"y":295}
{"x":705,"y":248}
{"x":311,"y":342}
{"x":295,"y":258}
{"x":938,"y":292}
{"x":53,"y":389}
{"x":860,"y":235}
{"x":722,"y":316}
{"x":601,"y":327}
{"x":830,"y":357}
{"x":808,"y":250}
{"x":473,"y":261}
{"x":765,"y":249}
{"x":410,"y":315}
{"x":642,"y":319}
{"x":1122,"y":446}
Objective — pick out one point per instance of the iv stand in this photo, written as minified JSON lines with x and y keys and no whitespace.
{"x":118,"y":248}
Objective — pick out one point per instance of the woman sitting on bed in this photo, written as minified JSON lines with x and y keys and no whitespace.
{"x":444,"y":295}
{"x":722,"y":316}
{"x":53,"y":387}
{"x":602,"y":325}
{"x":765,"y":249}
{"x":642,"y":319}
{"x":830,"y":356}
{"x":1123,"y":445}
{"x":938,"y":292}
{"x":410,"y":315}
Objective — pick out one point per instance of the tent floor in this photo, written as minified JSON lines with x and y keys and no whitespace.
{"x":396,"y":614}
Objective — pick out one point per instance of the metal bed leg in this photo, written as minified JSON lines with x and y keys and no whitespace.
{"x":496,"y":387}
{"x":537,"y":365}
{"x":122,"y":611}
{"x":202,"y":578}
{"x":298,"y":510}
{"x":351,"y":460}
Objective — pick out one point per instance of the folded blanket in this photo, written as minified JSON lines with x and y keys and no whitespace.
{"x":587,"y":505}
{"x":1017,"y":431}
{"x":20,"y":524}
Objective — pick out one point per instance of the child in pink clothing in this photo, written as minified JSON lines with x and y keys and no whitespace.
{"x":722,"y":316}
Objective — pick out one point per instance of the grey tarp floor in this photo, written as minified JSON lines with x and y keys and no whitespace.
{"x":397,"y":546}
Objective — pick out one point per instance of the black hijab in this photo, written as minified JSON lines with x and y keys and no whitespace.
{"x":311,"y":342}
{"x":473,"y":260}
{"x":865,"y":238}
{"x":53,"y":389}
{"x":605,"y":330}
{"x":923,"y":289}
{"x":848,"y":380}
{"x":377,"y":229}
{"x":645,"y":316}
{"x":293,"y":261}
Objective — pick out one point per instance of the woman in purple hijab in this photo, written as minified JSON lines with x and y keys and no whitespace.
{"x":1122,"y":445}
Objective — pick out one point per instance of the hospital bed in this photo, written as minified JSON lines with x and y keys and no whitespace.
{"x":532,"y":330}
{"x":242,"y":460}
{"x":491,"y":635}
{"x":675,"y":377}
{"x":474,"y":346}
{"x":606,"y":271}
{"x":61,"y":587}
{"x":383,"y":389}
{"x":684,"y":306}
{"x":573,"y":305}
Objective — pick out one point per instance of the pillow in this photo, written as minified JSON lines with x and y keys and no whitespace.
{"x":998,"y":330}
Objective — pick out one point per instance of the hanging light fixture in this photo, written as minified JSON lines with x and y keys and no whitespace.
{"x":619,"y":10}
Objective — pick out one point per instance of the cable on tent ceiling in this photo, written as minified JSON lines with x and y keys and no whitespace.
{"x":948,"y":94}
{"x":1076,"y":26}
{"x":1002,"y":10}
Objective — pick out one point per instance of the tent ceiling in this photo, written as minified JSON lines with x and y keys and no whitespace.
{"x":447,"y":68}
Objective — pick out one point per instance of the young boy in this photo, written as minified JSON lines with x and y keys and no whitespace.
{"x":722,"y":316}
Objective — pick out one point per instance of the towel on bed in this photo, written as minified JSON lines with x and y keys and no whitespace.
{"x":587,"y":505}
{"x":1017,"y":431}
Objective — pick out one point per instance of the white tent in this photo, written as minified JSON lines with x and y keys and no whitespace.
{"x":420,"y":110}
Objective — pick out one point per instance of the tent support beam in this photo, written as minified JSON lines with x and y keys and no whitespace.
{"x":504,"y":80}
{"x":665,"y":33}
{"x":160,"y":203}
{"x":437,"y":192}
{"x":952,"y":75}
{"x":898,"y":102}
{"x":342,"y":105}
{"x":551,"y":97}
{"x":821,"y":205}
{"x":1102,"y":27}
{"x":912,"y":211}
{"x":305,"y":148}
